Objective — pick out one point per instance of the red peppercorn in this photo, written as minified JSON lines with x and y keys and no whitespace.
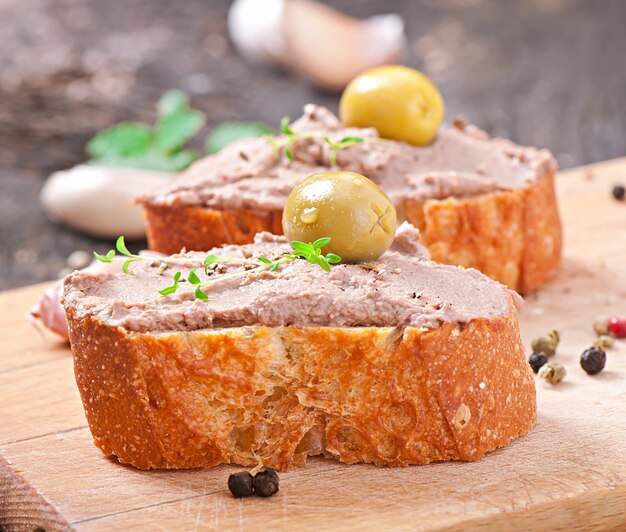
{"x":617,"y":327}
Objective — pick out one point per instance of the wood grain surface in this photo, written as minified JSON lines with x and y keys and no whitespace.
{"x":569,"y":473}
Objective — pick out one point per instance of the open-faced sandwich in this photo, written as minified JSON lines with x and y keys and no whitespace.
{"x":273,"y":351}
{"x":479,"y":202}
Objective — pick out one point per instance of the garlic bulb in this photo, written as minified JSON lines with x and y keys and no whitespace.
{"x":98,"y":200}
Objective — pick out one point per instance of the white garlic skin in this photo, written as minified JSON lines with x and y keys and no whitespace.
{"x":98,"y":200}
{"x":256,"y":29}
{"x":315,"y":40}
{"x":49,"y":309}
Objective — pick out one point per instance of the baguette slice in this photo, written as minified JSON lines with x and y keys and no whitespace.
{"x":395,"y":362}
{"x":479,"y":202}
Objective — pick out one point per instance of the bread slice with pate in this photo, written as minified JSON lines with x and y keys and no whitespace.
{"x":393,"y":362}
{"x":479,"y":202}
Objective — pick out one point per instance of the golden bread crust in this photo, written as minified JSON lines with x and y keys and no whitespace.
{"x":275,"y":395}
{"x":543,"y":235}
{"x":512,"y":236}
{"x":172,"y":228}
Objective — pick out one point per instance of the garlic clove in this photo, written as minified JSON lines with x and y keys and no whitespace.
{"x":331,"y":48}
{"x":98,"y":200}
{"x":256,"y":30}
{"x":385,"y":41}
{"x":49,"y":309}
{"x":322,"y":44}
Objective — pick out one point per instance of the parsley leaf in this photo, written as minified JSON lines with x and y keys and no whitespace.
{"x":172,"y":102}
{"x":173,"y":131}
{"x":151,"y":160}
{"x":229,"y":132}
{"x":122,"y":140}
{"x":135,"y":145}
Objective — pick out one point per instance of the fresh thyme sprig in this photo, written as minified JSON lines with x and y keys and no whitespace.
{"x":285,"y":127}
{"x":336,"y":147}
{"x":200,"y":284}
{"x":120,"y":245}
{"x":171,"y":289}
{"x":290,"y":137}
{"x":311,"y":252}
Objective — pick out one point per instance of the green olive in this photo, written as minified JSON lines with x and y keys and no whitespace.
{"x":347,"y":207}
{"x":400,"y":102}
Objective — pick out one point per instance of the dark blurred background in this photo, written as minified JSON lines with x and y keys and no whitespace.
{"x":550,"y":73}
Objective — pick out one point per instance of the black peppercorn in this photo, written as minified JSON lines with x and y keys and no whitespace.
{"x":241,"y":484}
{"x":593,"y":360}
{"x":536,"y":360}
{"x":619,"y":192}
{"x":266,"y":483}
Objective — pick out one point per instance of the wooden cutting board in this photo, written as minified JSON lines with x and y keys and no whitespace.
{"x":568,"y":473}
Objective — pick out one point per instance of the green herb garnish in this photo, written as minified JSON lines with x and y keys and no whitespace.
{"x":159,"y":147}
{"x":285,"y":127}
{"x":311,"y":252}
{"x":335,"y":147}
{"x":290,"y":137}
{"x":171,"y":289}
{"x":120,"y":245}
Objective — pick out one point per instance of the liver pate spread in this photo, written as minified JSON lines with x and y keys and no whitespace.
{"x":402,"y":288}
{"x":462,"y":161}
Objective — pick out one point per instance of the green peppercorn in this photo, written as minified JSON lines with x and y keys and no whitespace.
{"x":593,"y":360}
{"x":601,"y":326}
{"x":241,"y":484}
{"x":266,"y":483}
{"x":546,"y":343}
{"x":604,"y":341}
{"x":536,"y":360}
{"x":553,"y":372}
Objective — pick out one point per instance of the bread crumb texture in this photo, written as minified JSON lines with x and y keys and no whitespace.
{"x":276,"y":395}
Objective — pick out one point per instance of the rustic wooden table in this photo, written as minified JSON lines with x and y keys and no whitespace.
{"x":545,"y":72}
